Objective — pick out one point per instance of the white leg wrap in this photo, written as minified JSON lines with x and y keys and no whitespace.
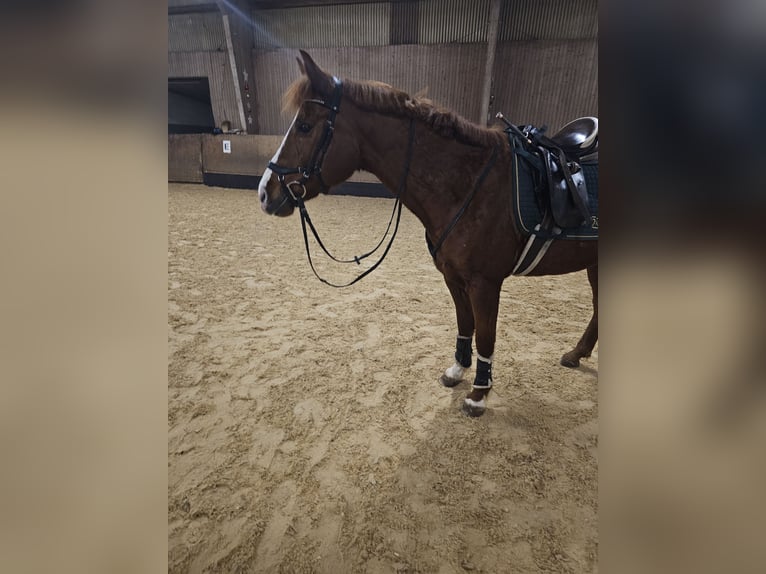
{"x":455,"y":372}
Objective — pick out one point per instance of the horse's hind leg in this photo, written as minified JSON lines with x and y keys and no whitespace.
{"x":465,"y":324}
{"x":485,"y":299}
{"x":590,"y":336}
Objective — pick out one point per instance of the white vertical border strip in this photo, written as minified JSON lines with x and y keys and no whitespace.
{"x":230,"y":49}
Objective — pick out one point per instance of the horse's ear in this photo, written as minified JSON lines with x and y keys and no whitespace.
{"x":421,"y":94}
{"x":300,"y":65}
{"x":320,"y":80}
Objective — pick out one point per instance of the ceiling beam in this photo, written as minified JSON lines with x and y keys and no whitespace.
{"x":270,"y":4}
{"x":193,"y":8}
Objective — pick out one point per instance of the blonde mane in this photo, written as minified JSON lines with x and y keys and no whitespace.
{"x":380,"y":97}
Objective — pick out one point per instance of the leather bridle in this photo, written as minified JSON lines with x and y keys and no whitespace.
{"x":314,"y":168}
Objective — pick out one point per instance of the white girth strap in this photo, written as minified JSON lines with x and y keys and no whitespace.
{"x":522,"y":267}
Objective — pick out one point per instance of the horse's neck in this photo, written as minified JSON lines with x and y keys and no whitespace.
{"x":434,"y":177}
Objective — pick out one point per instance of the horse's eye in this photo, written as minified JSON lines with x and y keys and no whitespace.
{"x":304,"y":127}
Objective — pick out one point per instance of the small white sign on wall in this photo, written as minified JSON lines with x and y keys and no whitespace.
{"x":226,"y":146}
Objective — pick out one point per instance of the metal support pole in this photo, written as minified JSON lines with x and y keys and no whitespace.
{"x":234,"y":76}
{"x":492,"y":26}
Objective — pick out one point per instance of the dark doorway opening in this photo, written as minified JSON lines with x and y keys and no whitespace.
{"x":189,"y":107}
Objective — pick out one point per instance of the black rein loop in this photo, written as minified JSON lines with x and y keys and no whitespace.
{"x":315,"y":168}
{"x":305,"y":219}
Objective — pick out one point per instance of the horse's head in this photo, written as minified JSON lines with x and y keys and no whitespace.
{"x":318,"y":151}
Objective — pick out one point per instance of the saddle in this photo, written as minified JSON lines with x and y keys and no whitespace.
{"x":579,"y":138}
{"x":554,"y":175}
{"x":560,"y":182}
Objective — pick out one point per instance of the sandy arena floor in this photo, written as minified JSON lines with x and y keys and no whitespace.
{"x":307,"y":429}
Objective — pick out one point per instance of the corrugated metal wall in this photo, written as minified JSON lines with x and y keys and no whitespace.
{"x":548,"y":20}
{"x":197,"y":49}
{"x":443,"y":69}
{"x":438,"y":22}
{"x":179,"y":3}
{"x":196,"y":32}
{"x":214,"y":66}
{"x":323,"y":26}
{"x":549,"y":82}
{"x":546,"y":64}
{"x":453,"y":21}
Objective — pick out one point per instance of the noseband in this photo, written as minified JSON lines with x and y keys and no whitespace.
{"x":317,"y":158}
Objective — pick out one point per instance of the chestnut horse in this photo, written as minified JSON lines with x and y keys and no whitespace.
{"x":438,"y":165}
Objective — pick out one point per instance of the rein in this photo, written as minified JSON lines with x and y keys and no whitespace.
{"x":397,"y":209}
{"x":316,"y":169}
{"x":433,"y":249}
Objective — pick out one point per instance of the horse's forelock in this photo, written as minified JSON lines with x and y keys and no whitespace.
{"x":298,"y":91}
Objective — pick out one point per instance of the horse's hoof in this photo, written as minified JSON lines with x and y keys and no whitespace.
{"x":473,"y":408}
{"x":570,"y":361}
{"x":449,"y":381}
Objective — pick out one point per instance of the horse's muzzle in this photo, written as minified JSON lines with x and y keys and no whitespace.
{"x":281,"y":207}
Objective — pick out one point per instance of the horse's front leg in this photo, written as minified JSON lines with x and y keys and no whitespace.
{"x":485,"y":299}
{"x":465,"y":325}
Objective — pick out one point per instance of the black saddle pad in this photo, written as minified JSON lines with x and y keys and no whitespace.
{"x":527,"y":211}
